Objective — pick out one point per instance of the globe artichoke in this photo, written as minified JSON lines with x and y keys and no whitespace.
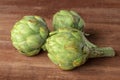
{"x":29,"y":34}
{"x":65,"y":18}
{"x":68,"y":48}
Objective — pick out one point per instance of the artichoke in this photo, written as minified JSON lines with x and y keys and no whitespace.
{"x":65,"y":18}
{"x":68,"y":48}
{"x":29,"y":34}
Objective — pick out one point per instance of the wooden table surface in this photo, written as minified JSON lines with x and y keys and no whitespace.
{"x":102,"y":22}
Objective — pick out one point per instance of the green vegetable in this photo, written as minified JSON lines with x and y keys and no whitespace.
{"x":68,"y":48}
{"x":29,"y":34}
{"x":65,"y":18}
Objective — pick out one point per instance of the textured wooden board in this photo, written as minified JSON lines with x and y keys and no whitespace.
{"x":102,"y":22}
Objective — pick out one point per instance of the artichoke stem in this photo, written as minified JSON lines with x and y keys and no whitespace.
{"x":87,"y":42}
{"x":101,"y":52}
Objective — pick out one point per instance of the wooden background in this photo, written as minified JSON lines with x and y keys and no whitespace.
{"x":102,"y":22}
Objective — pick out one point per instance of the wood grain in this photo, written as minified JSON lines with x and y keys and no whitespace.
{"x":102,"y":22}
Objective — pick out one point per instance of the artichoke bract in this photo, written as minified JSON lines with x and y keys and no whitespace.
{"x":29,"y":34}
{"x":68,"y":48}
{"x":66,"y":18}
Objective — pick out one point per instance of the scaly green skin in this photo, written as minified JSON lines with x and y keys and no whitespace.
{"x":29,"y":34}
{"x":65,"y":18}
{"x":68,"y":49}
{"x":65,"y":49}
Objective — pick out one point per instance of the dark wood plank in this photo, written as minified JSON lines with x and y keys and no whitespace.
{"x":102,"y":22}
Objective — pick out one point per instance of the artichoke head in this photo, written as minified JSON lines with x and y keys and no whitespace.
{"x":29,"y":34}
{"x":65,"y":18}
{"x":68,"y":48}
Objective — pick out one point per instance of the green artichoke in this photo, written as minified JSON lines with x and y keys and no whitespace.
{"x":68,"y":48}
{"x":29,"y":34}
{"x":65,"y":18}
